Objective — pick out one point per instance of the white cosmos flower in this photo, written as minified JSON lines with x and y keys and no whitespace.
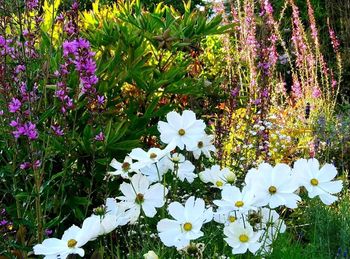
{"x":140,"y":195}
{"x":155,"y":172}
{"x":228,"y":217}
{"x":115,"y":216}
{"x":187,"y":222}
{"x":242,"y":238}
{"x":273,"y":186}
{"x":204,"y":146}
{"x":182,"y":168}
{"x":185,"y":171}
{"x":176,"y":158}
{"x":123,"y":169}
{"x":72,"y":240}
{"x":218,"y":177}
{"x":181,"y":130}
{"x":318,"y":182}
{"x":146,"y":158}
{"x":271,"y":221}
{"x":232,"y":199}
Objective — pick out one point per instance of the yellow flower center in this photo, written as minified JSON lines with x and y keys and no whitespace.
{"x":200,"y":144}
{"x":176,"y":159}
{"x":239,"y":204}
{"x":71,"y":243}
{"x":243,"y":238}
{"x":232,"y":219}
{"x":153,"y":155}
{"x":314,"y":182}
{"x":219,"y":183}
{"x":187,"y":226}
{"x":181,"y":132}
{"x":272,"y":190}
{"x":139,"y":198}
{"x":125,"y":166}
{"x":100,"y":211}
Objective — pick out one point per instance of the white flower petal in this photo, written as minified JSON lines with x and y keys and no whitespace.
{"x":50,"y":246}
{"x":331,"y":187}
{"x":177,"y":211}
{"x":327,"y":173}
{"x":328,"y":199}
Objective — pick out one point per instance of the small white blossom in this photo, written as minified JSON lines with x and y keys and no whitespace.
{"x":72,"y":240}
{"x":273,"y":186}
{"x":187,"y":223}
{"x":242,"y":238}
{"x":318,"y":182}
{"x":181,"y":130}
{"x":232,"y":199}
{"x":204,"y":146}
{"x":115,"y":216}
{"x":147,"y":158}
{"x":218,"y":177}
{"x":140,"y":195}
{"x":123,"y":169}
{"x":185,"y":171}
{"x":155,"y":172}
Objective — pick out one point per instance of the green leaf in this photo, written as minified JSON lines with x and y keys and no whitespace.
{"x":47,"y":114}
{"x":126,"y":145}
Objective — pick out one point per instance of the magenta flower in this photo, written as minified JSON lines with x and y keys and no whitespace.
{"x":69,"y":47}
{"x":101,"y":100}
{"x":316,"y":92}
{"x":48,"y":232}
{"x":32,"y":4}
{"x":25,"y":165}
{"x":57,"y":130}
{"x":100,"y":137}
{"x":30,"y":131}
{"x":3,"y":222}
{"x":19,"y":131}
{"x":20,"y":68}
{"x":36,"y":164}
{"x":14,"y":105}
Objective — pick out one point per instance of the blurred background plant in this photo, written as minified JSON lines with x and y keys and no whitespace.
{"x":275,"y":82}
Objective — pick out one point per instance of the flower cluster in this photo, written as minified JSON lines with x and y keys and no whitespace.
{"x":77,"y":53}
{"x":27,"y":129}
{"x":248,"y":213}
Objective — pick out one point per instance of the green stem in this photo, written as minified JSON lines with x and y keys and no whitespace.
{"x":38,"y":211}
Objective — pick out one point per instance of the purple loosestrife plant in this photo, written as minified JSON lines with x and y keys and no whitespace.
{"x":278,"y":70}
